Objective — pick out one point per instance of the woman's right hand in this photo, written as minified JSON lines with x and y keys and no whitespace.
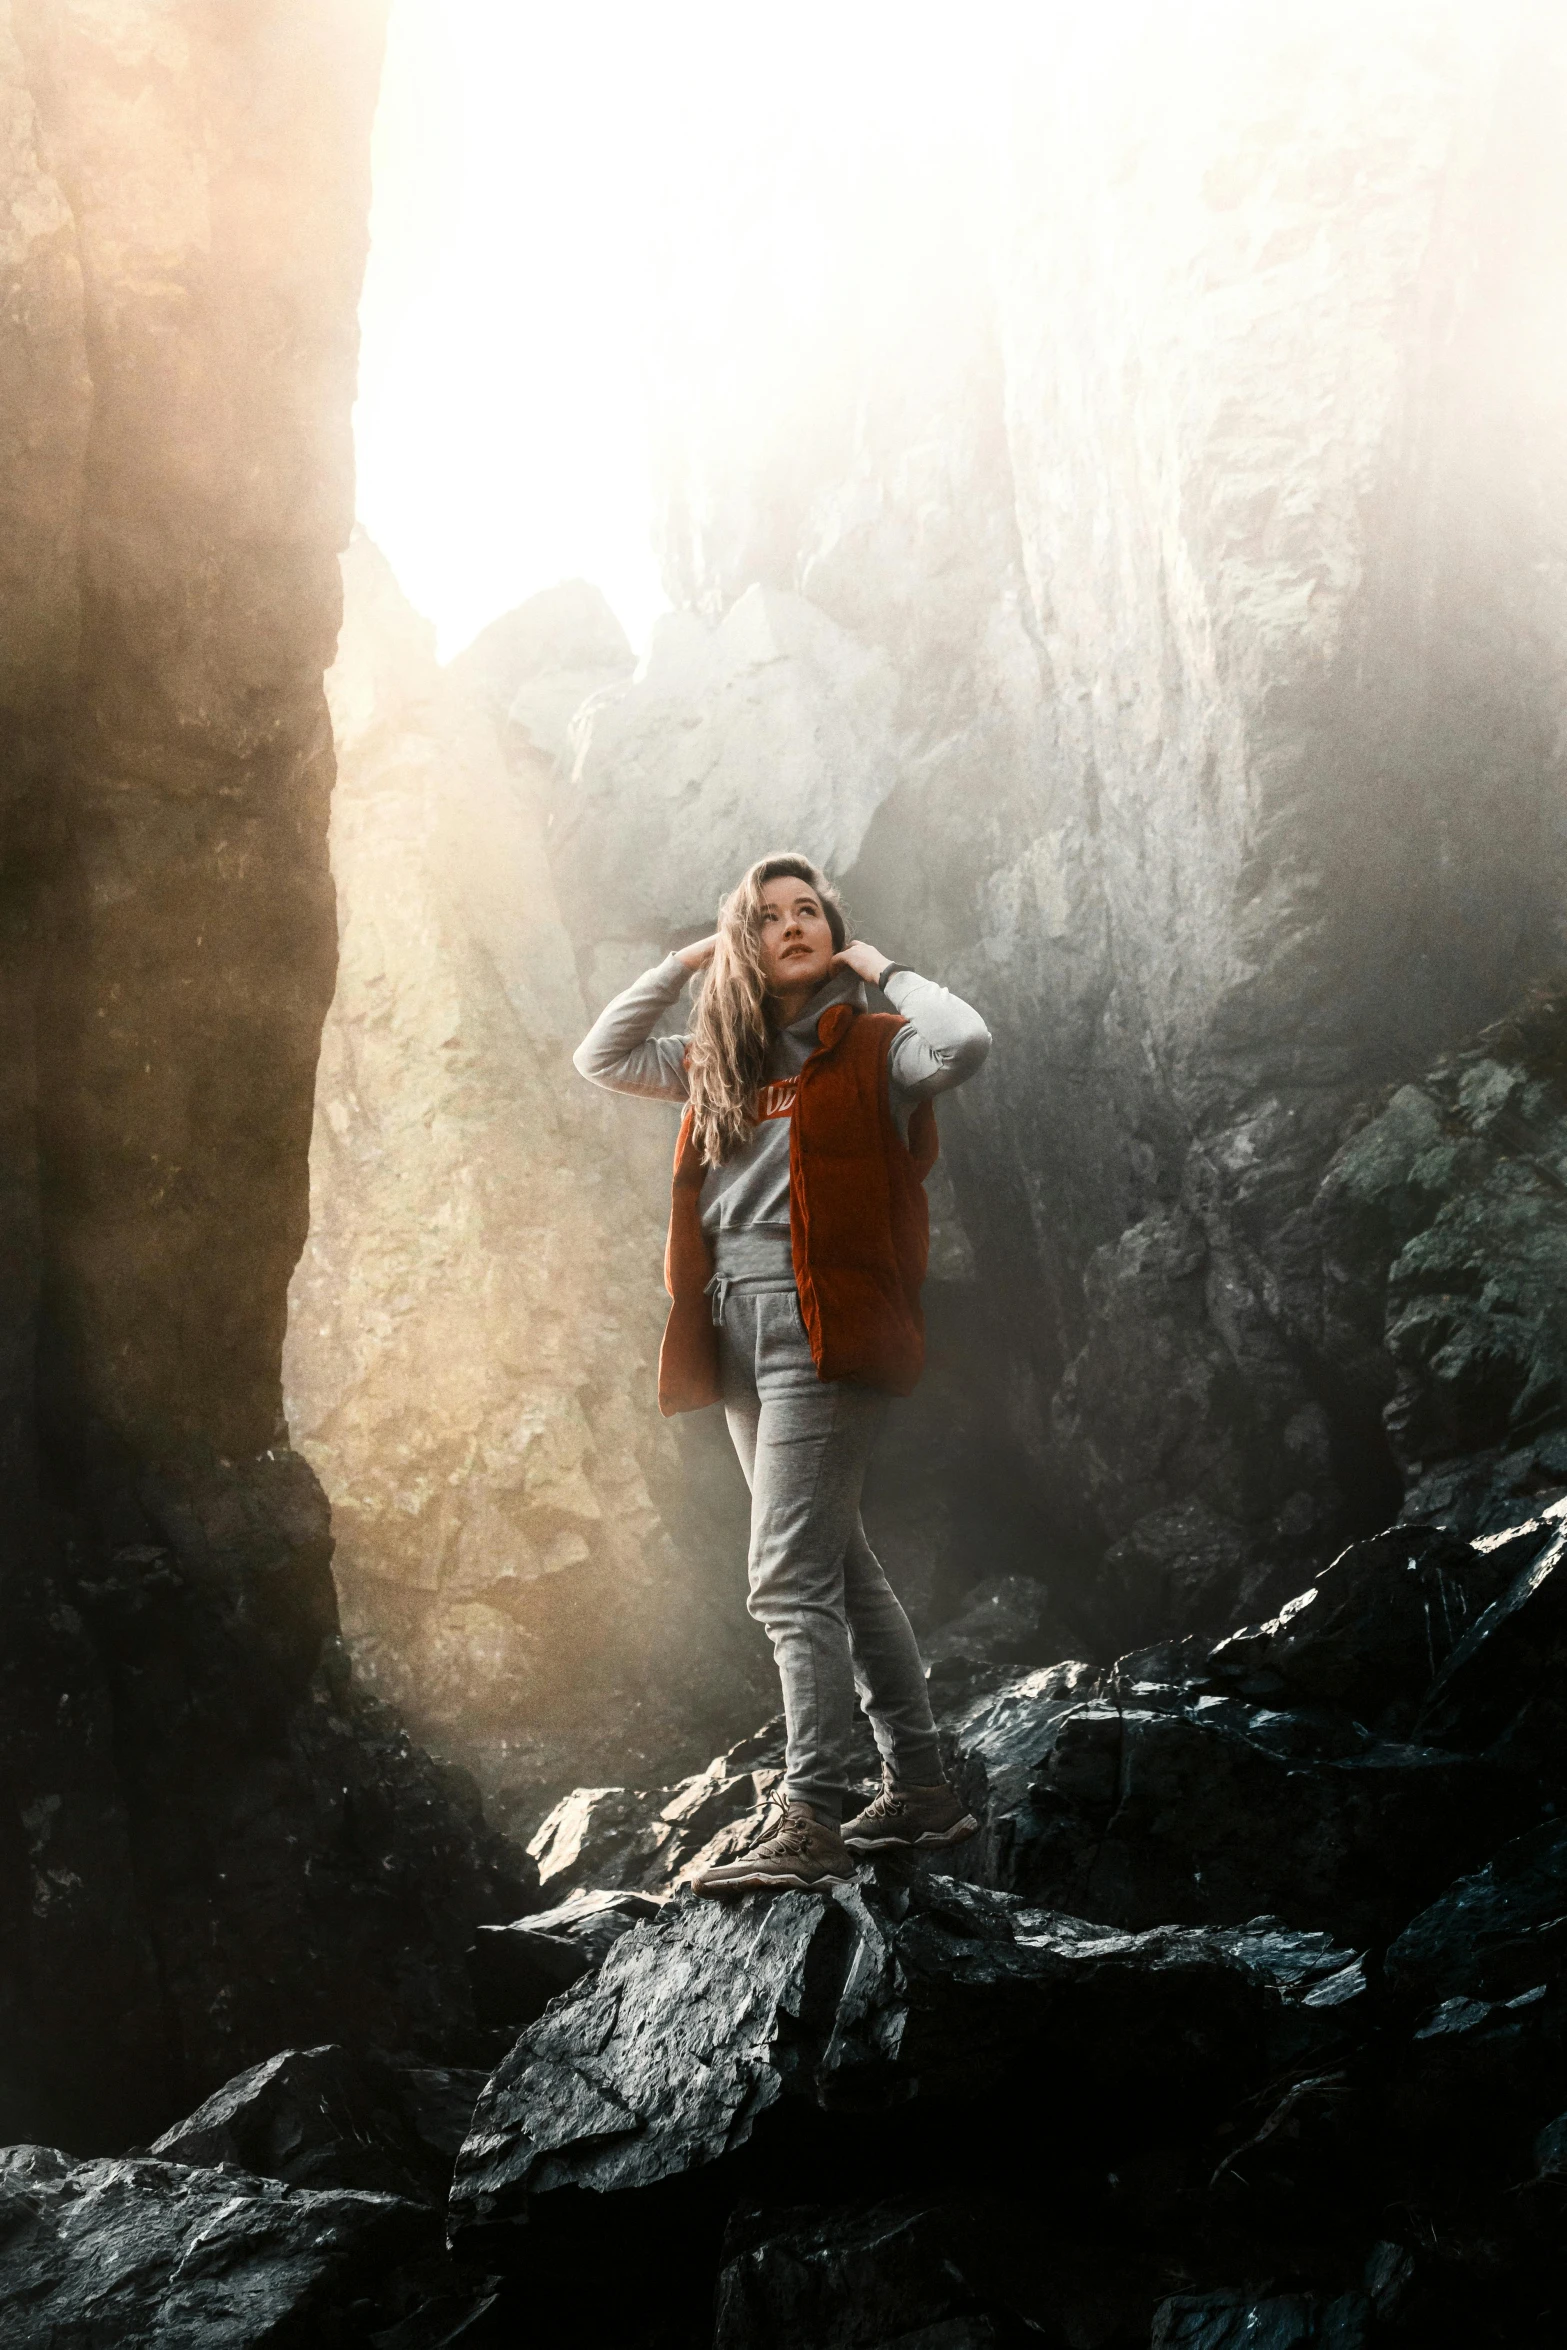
{"x":698,"y":953}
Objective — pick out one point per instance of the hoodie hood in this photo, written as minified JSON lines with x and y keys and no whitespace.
{"x":794,"y":1045}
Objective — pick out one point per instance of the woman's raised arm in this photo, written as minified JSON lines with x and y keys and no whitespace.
{"x":620,"y":1052}
{"x":943,"y":1043}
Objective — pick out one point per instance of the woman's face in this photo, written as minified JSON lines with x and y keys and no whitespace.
{"x":797,"y":948}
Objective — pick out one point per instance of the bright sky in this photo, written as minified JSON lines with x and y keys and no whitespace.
{"x":543,"y":176}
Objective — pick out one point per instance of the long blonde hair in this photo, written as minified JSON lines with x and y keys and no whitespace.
{"x":726,"y":1058}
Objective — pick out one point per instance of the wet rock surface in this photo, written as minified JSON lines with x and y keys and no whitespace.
{"x":1231,"y":1974}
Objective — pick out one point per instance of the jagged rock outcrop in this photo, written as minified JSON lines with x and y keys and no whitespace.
{"x":109,"y":2253}
{"x":720,"y":2047}
{"x":212,"y":1845}
{"x":475,"y":1317}
{"x":1443,"y":1264}
{"x":1338,"y":2123}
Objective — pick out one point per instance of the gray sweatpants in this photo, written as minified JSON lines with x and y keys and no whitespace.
{"x":816,"y":1586}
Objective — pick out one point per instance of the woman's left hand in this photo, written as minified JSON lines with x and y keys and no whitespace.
{"x":864,"y":960}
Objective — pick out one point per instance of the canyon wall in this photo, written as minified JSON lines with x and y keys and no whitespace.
{"x":1169,"y":528}
{"x":1133,"y":562}
{"x":210,"y":1842}
{"x":475,"y":1320}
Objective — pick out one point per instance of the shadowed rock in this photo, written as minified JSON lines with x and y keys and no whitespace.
{"x":1512,"y":1654}
{"x":147,"y":2255}
{"x":896,"y":2272}
{"x":1154,"y":1802}
{"x":1375,"y":1628}
{"x":517,"y":1969}
{"x":726,"y":2031}
{"x":1287,"y":2321}
{"x":1492,"y":1934}
{"x":322,"y":2117}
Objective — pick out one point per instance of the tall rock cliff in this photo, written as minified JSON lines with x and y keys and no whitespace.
{"x":209,"y":1842}
{"x":1158,"y":550}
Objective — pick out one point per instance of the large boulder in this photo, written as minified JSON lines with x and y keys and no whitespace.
{"x":323,"y":2117}
{"x":1206,"y":1807}
{"x":1321,"y":1764}
{"x":1376,"y":1628}
{"x":721,"y":2046}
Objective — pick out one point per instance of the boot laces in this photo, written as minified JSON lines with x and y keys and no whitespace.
{"x":791,"y":1836}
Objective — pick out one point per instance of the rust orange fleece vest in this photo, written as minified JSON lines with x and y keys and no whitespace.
{"x":858,"y":1221}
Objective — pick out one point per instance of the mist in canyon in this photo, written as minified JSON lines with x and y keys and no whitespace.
{"x":1097,"y":481}
{"x":1110,"y":516}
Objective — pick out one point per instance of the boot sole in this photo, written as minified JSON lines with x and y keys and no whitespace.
{"x":770,"y":1881}
{"x":933,"y":1840}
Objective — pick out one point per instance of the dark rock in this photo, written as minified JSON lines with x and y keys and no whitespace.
{"x":118,"y":2255}
{"x":1492,"y":1934}
{"x":1473,"y":2087}
{"x":1179,"y":1569}
{"x":998,"y":1747}
{"x":517,"y":1969}
{"x":1514,"y":1651}
{"x":1009,"y":1624}
{"x":846,"y":2280}
{"x":1204,"y":1807}
{"x":1375,"y":1628}
{"x":719,"y":2037}
{"x":322,"y":2117}
{"x":1445,"y":1259}
{"x":1550,"y":2150}
{"x":1287,"y":2321}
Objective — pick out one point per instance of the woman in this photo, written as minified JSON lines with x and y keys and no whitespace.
{"x":797,"y":1244}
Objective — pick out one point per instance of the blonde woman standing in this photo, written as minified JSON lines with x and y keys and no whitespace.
{"x":797,"y":1244}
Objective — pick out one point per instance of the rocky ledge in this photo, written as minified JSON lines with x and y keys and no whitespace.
{"x":1242,"y":2021}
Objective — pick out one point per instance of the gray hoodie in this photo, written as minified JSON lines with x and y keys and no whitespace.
{"x":745,"y":1203}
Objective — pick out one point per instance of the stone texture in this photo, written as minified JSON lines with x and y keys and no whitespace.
{"x":518,"y":1969}
{"x":1441,"y":1235}
{"x":475,"y":1316}
{"x":320,"y":2117}
{"x":1492,"y":1935}
{"x":122,"y":2255}
{"x":708,"y":2028}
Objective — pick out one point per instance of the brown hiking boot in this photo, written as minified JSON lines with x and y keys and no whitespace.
{"x":802,"y":1855}
{"x":910,"y":1819}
